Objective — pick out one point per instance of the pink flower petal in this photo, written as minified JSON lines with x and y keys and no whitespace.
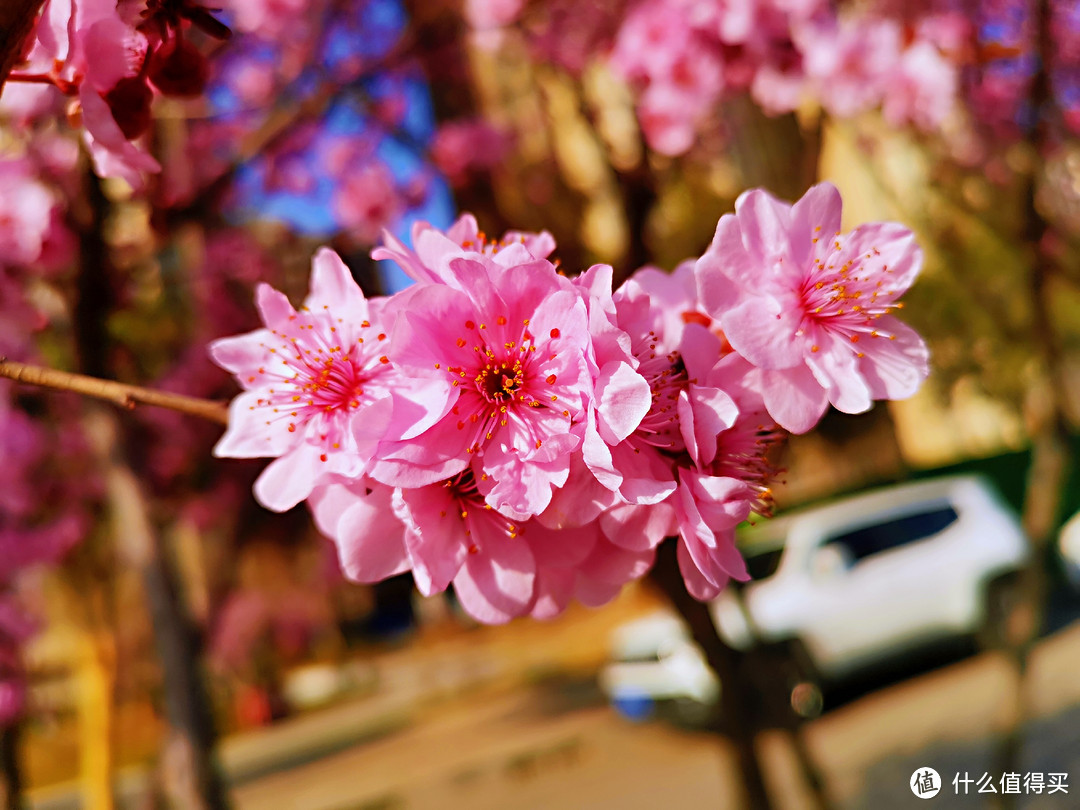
{"x":289,"y":479}
{"x":894,"y":368}
{"x":435,"y":537}
{"x":333,"y":286}
{"x":274,"y":307}
{"x":639,"y":528}
{"x":699,"y":587}
{"x":496,"y":585}
{"x":623,"y":398}
{"x":764,"y":222}
{"x":243,"y":355}
{"x":815,"y":216}
{"x":248,"y":435}
{"x":371,"y":540}
{"x":762,"y":330}
{"x":793,"y":398}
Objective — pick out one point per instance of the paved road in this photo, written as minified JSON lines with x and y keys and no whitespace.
{"x":497,"y":746}
{"x":481,"y":719}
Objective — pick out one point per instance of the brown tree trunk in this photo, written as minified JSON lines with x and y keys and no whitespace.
{"x":191,"y":771}
{"x":1050,"y":437}
{"x":10,"y":772}
{"x":192,"y":776}
{"x":735,"y":698}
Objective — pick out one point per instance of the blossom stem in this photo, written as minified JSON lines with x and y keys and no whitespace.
{"x":126,"y":396}
{"x":31,"y":78}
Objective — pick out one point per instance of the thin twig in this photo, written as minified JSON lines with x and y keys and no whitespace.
{"x":125,"y":396}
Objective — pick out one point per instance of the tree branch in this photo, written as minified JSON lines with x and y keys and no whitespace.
{"x":16,"y":20}
{"x":125,"y":396}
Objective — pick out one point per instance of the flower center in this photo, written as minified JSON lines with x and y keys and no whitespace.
{"x":748,"y":451}
{"x":499,"y":381}
{"x":666,"y":375}
{"x":336,"y":382}
{"x":847,"y":292}
{"x":475,"y":513}
{"x":323,"y":380}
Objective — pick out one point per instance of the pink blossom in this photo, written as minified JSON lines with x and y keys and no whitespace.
{"x":432,"y":250}
{"x":87,"y":47}
{"x":319,"y":389}
{"x":530,"y":439}
{"x":510,"y":339}
{"x":444,"y":532}
{"x":589,"y":568}
{"x":810,"y":306}
{"x":708,"y":509}
{"x":451,"y":536}
{"x":649,"y":40}
{"x":112,"y":153}
{"x":683,"y":469}
{"x":733,"y":466}
{"x":685,"y":56}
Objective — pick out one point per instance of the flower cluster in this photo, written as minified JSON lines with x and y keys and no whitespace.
{"x":531,"y":437}
{"x":113,"y":58}
{"x":685,"y":56}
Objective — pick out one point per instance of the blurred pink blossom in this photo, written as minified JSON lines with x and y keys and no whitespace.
{"x":462,"y":147}
{"x":368,"y":200}
{"x":26,"y":213}
{"x":852,"y":63}
{"x":923,"y":88}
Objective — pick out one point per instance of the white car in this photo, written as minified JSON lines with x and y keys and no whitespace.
{"x":870,"y":576}
{"x":654,"y":661}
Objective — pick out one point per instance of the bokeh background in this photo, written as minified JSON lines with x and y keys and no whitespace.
{"x":165,"y":642}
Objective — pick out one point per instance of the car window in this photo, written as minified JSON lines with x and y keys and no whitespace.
{"x":869,"y":540}
{"x":763,"y":565}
